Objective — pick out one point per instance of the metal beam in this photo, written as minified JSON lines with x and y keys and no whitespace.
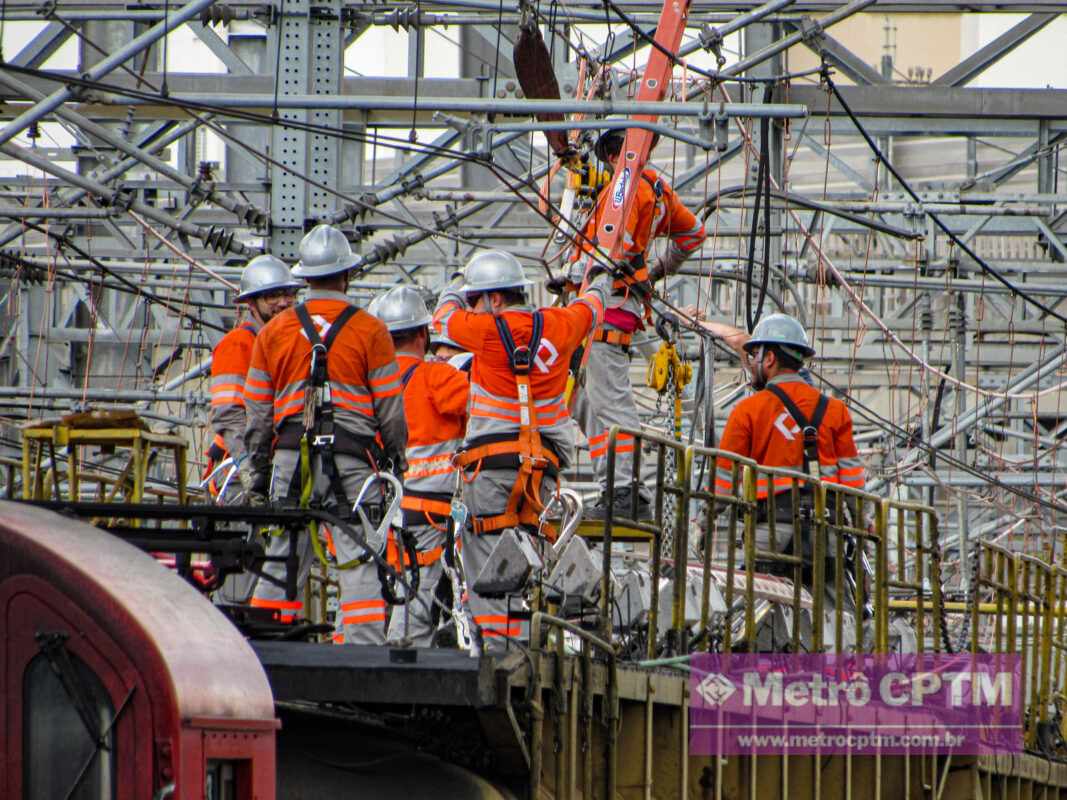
{"x":983,"y":58}
{"x":233,"y":62}
{"x":104,"y":67}
{"x":825,"y":45}
{"x":42,"y":46}
{"x":245,"y":212}
{"x":111,"y":196}
{"x":151,"y":141}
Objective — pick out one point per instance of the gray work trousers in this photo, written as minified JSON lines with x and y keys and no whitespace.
{"x":607,"y":399}
{"x":363,"y":610}
{"x":486,"y":496}
{"x":412,"y":623}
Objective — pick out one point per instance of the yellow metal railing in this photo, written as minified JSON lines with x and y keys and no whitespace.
{"x":667,"y":486}
{"x":914,"y":581}
{"x":742,"y":538}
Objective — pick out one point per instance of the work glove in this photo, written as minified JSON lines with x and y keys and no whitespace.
{"x":596,"y":269}
{"x":557,"y":285}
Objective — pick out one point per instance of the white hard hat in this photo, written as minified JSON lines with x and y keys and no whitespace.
{"x":493,"y":270}
{"x":324,"y":252}
{"x":265,"y":274}
{"x":784,"y":331}
{"x":401,"y":308}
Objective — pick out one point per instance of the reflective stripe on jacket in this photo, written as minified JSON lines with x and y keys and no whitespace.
{"x":494,"y":404}
{"x":363,"y":374}
{"x":435,"y":406}
{"x":760,"y":428}
{"x":229,"y":365}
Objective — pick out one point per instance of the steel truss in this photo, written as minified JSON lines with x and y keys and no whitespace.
{"x":421,"y":171}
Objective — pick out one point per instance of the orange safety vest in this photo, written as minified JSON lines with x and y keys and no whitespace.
{"x":363,"y":373}
{"x":761,"y":428}
{"x":229,"y":365}
{"x":518,"y":415}
{"x":435,"y":407}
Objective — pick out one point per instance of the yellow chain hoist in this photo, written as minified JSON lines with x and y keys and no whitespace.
{"x":667,"y":372}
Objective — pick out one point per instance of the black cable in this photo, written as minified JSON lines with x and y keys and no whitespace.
{"x":891,"y":427}
{"x":65,"y":241}
{"x":765,"y":123}
{"x":762,"y":181}
{"x":678,"y":61}
{"x":995,"y":274}
{"x":401,"y":145}
{"x":935,"y":417}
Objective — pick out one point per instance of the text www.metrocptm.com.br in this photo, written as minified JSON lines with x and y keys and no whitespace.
{"x":857,"y":741}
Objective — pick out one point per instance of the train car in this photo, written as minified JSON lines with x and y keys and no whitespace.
{"x":120,"y":681}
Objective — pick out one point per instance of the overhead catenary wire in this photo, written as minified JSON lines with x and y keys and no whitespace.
{"x":956,"y":240}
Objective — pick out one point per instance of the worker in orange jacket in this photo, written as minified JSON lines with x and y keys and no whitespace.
{"x":435,"y":406}
{"x":772,"y":426}
{"x":339,"y":423}
{"x":607,"y":398}
{"x":519,"y":434}
{"x":267,"y":288}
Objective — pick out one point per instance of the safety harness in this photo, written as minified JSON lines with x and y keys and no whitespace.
{"x":810,"y":431}
{"x":534,"y":459}
{"x":320,"y":432}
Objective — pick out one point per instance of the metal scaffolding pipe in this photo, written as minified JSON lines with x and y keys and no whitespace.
{"x":219,"y":101}
{"x":104,"y":67}
{"x":24,"y":212}
{"x":107,"y":174}
{"x":598,"y":124}
{"x":112,"y":196}
{"x":1051,"y":478}
{"x":105,"y":395}
{"x":245,"y":211}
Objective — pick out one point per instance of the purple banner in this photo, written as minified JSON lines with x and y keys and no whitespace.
{"x":864,"y":704}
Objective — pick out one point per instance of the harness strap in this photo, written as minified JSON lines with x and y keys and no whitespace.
{"x":409,"y":373}
{"x":423,"y":558}
{"x":613,"y":337}
{"x":410,"y":502}
{"x":524,"y":504}
{"x":319,"y":425}
{"x":810,"y":429}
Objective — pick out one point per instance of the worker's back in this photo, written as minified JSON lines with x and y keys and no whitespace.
{"x":761,"y":428}
{"x":494,"y":406}
{"x":435,"y":406}
{"x":362,"y":370}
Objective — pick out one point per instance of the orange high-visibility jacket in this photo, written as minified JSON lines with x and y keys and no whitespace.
{"x":229,"y":365}
{"x":363,"y":374}
{"x":760,"y":428}
{"x":656,"y":211}
{"x":494,"y":404}
{"x":435,"y":406}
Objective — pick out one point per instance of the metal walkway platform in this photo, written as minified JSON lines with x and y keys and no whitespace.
{"x":369,"y":674}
